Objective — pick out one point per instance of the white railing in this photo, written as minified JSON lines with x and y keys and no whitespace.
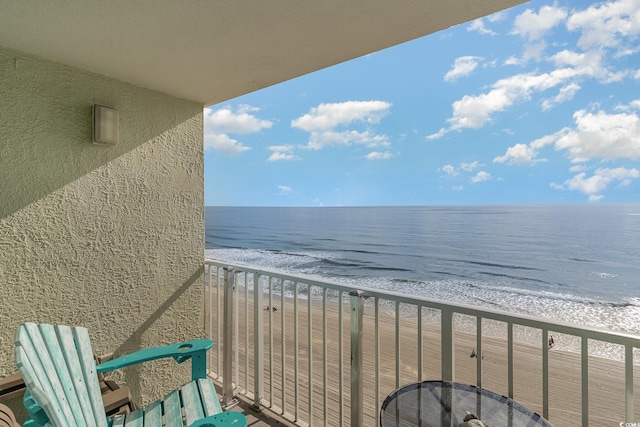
{"x":280,"y":342}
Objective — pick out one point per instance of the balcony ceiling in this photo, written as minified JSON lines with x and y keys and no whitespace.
{"x":212,"y":51}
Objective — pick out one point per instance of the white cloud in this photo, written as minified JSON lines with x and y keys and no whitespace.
{"x":512,"y":60}
{"x":533,"y":51}
{"x":566,"y":94}
{"x":282,"y":152}
{"x":615,"y":24}
{"x":242,"y":121}
{"x":594,"y":185}
{"x":519,"y":154}
{"x":478,"y":26}
{"x":219,"y":123}
{"x":473,"y":112}
{"x":329,"y":116}
{"x":442,"y":132}
{"x":285,"y":190}
{"x":603,"y":24}
{"x":481,"y":176}
{"x":588,"y":64}
{"x":452,"y":171}
{"x":449,"y":170}
{"x":469,"y":167}
{"x":497,"y":16}
{"x":462,"y":66}
{"x":319,"y":140}
{"x":376,"y":155}
{"x":601,"y":135}
{"x":226,"y":145}
{"x":534,"y":25}
{"x":321,"y":122}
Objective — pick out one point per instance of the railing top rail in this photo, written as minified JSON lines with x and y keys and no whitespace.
{"x":615,"y":337}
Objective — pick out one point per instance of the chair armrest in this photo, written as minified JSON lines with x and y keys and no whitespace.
{"x":223,"y":419}
{"x":181,"y":352}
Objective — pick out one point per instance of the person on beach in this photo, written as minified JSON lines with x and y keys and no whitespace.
{"x":473,"y":353}
{"x":551,"y":343}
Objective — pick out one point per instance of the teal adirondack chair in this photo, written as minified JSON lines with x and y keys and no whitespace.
{"x":57,"y":365}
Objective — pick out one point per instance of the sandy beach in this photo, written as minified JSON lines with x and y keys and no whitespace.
{"x":606,"y":377}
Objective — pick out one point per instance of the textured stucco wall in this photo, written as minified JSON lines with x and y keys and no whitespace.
{"x":106,"y":237}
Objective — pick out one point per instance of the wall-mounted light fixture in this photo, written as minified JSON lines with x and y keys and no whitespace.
{"x":105,"y":125}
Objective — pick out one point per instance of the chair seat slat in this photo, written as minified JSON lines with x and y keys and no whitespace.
{"x":153,"y":414}
{"x":191,"y":402}
{"x":209,"y":397}
{"x":172,"y":410}
{"x":134,"y":419}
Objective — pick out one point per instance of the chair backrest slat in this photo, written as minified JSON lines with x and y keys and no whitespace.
{"x":36,"y":355}
{"x":81,"y":384}
{"x":53,"y":345}
{"x":60,"y":373}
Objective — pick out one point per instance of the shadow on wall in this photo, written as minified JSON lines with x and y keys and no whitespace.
{"x":134,"y":374}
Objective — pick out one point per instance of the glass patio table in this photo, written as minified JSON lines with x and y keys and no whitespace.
{"x":441,"y":403}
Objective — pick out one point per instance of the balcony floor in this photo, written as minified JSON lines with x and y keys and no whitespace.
{"x":260,"y":419}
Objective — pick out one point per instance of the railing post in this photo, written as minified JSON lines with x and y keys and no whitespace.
{"x":628,"y":383}
{"x":227,"y":356}
{"x":357,"y":311}
{"x":447,"y":344}
{"x":258,"y":342}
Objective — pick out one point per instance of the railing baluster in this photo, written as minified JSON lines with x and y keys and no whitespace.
{"x":310,"y":352}
{"x":283,"y":340}
{"x":246,"y":331}
{"x":584,"y":355}
{"x":420,"y":363}
{"x":340,"y":360}
{"x":545,"y":373}
{"x":397,"y":344}
{"x":479,"y":351}
{"x":510,"y":358}
{"x":236,"y":328}
{"x":628,"y":383}
{"x":296,"y":348}
{"x":219,"y":296}
{"x":209,"y":286}
{"x":325,"y":408}
{"x":357,"y":311}
{"x":227,"y":365}
{"x":270,"y":341}
{"x":258,"y":342}
{"x":377,"y":350}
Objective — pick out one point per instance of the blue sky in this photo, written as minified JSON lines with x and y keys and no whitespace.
{"x":538,"y":104}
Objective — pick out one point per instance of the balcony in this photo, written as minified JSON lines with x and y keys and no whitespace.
{"x":320,"y":353}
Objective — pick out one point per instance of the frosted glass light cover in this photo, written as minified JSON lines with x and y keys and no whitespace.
{"x":105,"y":125}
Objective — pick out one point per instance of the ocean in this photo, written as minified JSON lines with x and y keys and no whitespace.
{"x":573,"y":263}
